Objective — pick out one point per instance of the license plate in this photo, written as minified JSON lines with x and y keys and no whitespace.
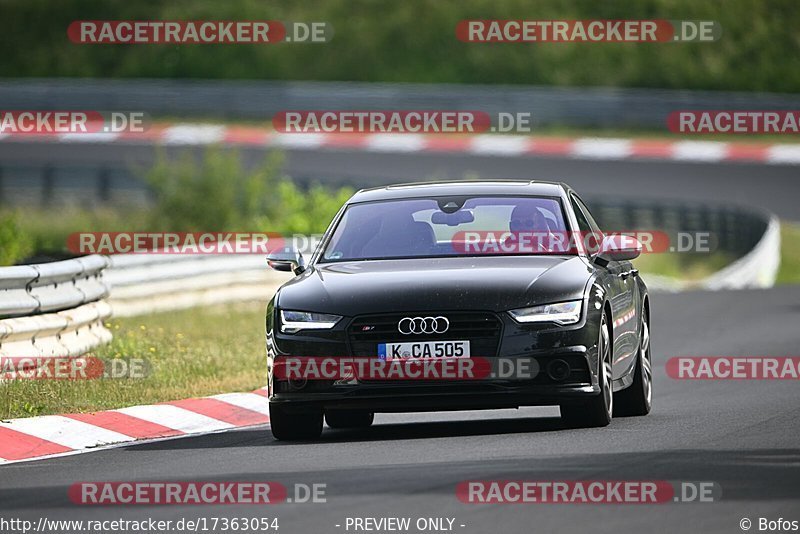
{"x":424,"y":349}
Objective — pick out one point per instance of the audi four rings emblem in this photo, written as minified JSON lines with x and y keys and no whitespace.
{"x":423,"y":325}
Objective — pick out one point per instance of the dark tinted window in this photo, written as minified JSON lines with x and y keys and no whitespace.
{"x":590,"y":234}
{"x":415,"y":228}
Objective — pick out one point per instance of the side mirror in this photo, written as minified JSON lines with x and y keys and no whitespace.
{"x":287,"y":260}
{"x":619,"y":247}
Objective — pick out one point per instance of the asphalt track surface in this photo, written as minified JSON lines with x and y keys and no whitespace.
{"x":743,"y":435}
{"x":772,"y":187}
{"x":760,"y":186}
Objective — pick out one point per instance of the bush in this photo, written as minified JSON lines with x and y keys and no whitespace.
{"x":217,"y":193}
{"x":15,"y":244}
{"x":214,"y":192}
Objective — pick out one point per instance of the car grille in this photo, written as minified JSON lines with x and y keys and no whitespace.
{"x":481,"y":329}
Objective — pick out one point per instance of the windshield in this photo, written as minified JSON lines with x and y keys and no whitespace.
{"x":438,"y":227}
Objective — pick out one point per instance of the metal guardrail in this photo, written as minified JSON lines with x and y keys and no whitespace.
{"x":48,"y":287}
{"x":749,"y":235}
{"x":260,"y":100}
{"x":757,"y":268}
{"x":147,"y":283}
{"x":68,"y":333}
{"x":53,"y":309}
{"x":735,"y":230}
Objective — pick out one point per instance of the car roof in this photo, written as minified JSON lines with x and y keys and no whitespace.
{"x":461,"y":188}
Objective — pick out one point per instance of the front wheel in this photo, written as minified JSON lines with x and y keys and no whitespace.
{"x":597,"y":411}
{"x":288,"y":426}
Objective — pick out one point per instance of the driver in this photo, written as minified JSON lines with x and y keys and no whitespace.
{"x":529,"y":228}
{"x":527,"y":218}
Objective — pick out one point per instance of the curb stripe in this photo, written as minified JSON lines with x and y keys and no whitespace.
{"x":89,"y":137}
{"x":300,"y":140}
{"x":789,"y":154}
{"x":757,"y":153}
{"x":175,"y":417}
{"x":447,"y":144}
{"x":51,"y":436}
{"x":246,"y":136}
{"x":193,"y":134}
{"x":651,"y":149}
{"x":120,"y":422}
{"x":248,"y":401}
{"x":700,"y":151}
{"x":556,"y":147}
{"x":222,"y":411}
{"x":67,"y":432}
{"x":154,"y":133}
{"x":480,"y":144}
{"x":18,"y":446}
{"x":498,"y":145}
{"x":395,"y":143}
{"x":599,"y":148}
{"x":350,"y":140}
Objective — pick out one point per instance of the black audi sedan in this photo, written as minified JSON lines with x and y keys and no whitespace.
{"x":458,"y":296}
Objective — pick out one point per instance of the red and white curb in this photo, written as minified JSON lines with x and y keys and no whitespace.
{"x":585,"y":148}
{"x":59,"y":435}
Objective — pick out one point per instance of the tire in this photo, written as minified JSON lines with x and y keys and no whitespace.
{"x":287,"y":426}
{"x":637,"y":399}
{"x":597,"y":411}
{"x":349,"y":418}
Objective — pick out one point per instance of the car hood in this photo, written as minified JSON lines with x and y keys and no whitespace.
{"x":496,"y":283}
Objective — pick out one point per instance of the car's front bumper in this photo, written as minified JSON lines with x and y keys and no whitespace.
{"x":435,"y":397}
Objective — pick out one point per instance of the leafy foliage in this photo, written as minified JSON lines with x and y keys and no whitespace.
{"x":218,"y":193}
{"x":15,"y":244}
{"x":414,"y":41}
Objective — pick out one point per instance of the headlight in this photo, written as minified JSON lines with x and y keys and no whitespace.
{"x":293,"y":321}
{"x":559,"y":313}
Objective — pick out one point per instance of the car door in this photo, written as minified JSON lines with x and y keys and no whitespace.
{"x":629,"y":321}
{"x":622,"y":296}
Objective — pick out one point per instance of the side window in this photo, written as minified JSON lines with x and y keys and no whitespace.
{"x":583,"y":223}
{"x":588,"y":215}
{"x":590,"y":234}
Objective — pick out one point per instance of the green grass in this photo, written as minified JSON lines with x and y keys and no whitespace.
{"x":195,"y":352}
{"x":789,"y":272}
{"x":681,"y":266}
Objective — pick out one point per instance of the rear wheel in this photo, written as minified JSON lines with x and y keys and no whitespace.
{"x":288,"y":426}
{"x":349,"y":418}
{"x":637,"y":398}
{"x":597,"y":411}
